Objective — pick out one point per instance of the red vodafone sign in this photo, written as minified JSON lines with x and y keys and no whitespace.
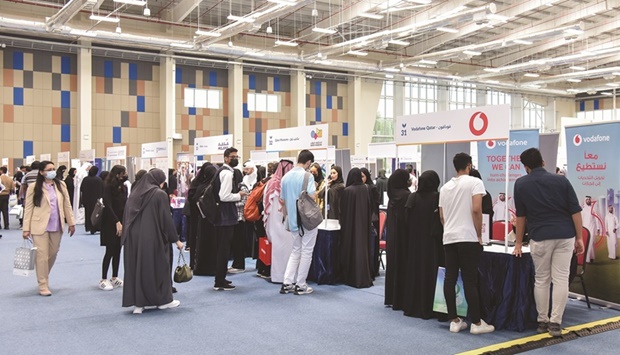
{"x":485,"y":123}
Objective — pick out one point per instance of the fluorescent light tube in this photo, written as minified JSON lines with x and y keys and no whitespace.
{"x":398,"y":42}
{"x":577,"y":67}
{"x":492,"y":82}
{"x":492,"y":70}
{"x":208,"y":33}
{"x":131,"y":2}
{"x":531,"y":75}
{"x":373,"y":16}
{"x":447,"y":29}
{"x":427,"y":61}
{"x":522,"y":41}
{"x":324,"y":62}
{"x":255,"y":54}
{"x":181,"y":45}
{"x":358,"y":53}
{"x":573,"y":31}
{"x":78,"y":32}
{"x":389,"y":76}
{"x":240,"y":19}
{"x":392,"y":70}
{"x":323,"y":30}
{"x":286,"y":43}
{"x":104,"y":18}
{"x":472,"y":52}
{"x":607,"y":93}
{"x":616,"y":73}
{"x":613,"y":84}
{"x":573,"y":80}
{"x":538,"y":61}
{"x":282,"y":2}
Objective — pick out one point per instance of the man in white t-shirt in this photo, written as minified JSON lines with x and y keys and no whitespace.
{"x":460,"y":209}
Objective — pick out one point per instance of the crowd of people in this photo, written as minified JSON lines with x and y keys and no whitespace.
{"x":428,"y":228}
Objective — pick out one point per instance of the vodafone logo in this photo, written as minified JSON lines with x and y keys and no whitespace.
{"x":491,"y":144}
{"x":595,"y":138}
{"x":577,"y":140}
{"x":478,"y":128}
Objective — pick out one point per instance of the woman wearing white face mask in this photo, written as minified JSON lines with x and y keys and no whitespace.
{"x":47,"y":206}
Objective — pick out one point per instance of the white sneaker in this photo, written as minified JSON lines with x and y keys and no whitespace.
{"x":483,"y":328}
{"x":172,"y":304}
{"x":456,"y":327}
{"x":105,"y":285}
{"x":232,"y":270}
{"x":117,"y":282}
{"x":138,"y":310}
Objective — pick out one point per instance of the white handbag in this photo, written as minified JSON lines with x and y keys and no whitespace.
{"x":23,"y":262}
{"x":12,"y":200}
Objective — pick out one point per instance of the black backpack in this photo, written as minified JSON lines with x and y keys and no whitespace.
{"x":209,"y":202}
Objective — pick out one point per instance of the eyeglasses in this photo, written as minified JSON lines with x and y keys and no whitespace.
{"x":233,"y":156}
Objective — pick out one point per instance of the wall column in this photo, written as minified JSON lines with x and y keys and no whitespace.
{"x":298,"y":98}
{"x":167,"y":109}
{"x":235,"y":108}
{"x":516,"y":111}
{"x":85,"y":99}
{"x":363,"y":102}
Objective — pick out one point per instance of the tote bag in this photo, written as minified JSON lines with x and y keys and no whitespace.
{"x":439,"y":304}
{"x":23,"y":262}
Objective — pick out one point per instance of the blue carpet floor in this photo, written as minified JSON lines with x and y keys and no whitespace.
{"x":81,"y":319}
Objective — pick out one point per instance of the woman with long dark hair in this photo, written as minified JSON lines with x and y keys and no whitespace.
{"x":114,"y":199}
{"x":398,"y":192}
{"x":319,"y":181}
{"x":47,"y":207}
{"x":60,"y":172}
{"x":335,"y":185}
{"x":91,"y":190}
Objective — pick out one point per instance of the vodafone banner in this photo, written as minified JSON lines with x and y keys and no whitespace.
{"x":472,"y":124}
{"x":212,"y":145}
{"x":593,"y":168}
{"x":297,"y":138}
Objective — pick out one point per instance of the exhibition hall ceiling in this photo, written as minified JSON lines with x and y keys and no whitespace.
{"x":555,"y":47}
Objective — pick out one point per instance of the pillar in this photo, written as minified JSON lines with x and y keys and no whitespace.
{"x":167,"y":109}
{"x":235,"y":107}
{"x":85,"y":99}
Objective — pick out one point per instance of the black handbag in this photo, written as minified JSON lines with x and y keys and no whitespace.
{"x":183,"y":273}
{"x":95,"y":218}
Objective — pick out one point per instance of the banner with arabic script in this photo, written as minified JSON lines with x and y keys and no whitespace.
{"x":593,"y":168}
{"x":492,"y":165}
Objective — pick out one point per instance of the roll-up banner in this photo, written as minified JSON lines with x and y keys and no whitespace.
{"x":593,"y":168}
{"x":297,"y":138}
{"x":87,"y":155}
{"x":492,"y":166}
{"x":212,"y":145}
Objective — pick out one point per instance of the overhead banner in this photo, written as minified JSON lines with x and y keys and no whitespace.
{"x":472,"y":124}
{"x":212,"y":145}
{"x":155,"y":150}
{"x":87,"y":155}
{"x":492,"y":166}
{"x":297,"y":138}
{"x":593,"y":168}
{"x":116,"y":153}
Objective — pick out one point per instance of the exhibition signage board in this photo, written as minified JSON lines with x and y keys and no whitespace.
{"x":492,"y":162}
{"x":64,"y":156}
{"x":472,"y":124}
{"x":593,"y":168}
{"x":212,"y":145}
{"x":29,"y":159}
{"x":324,"y":155}
{"x":263,"y":156}
{"x":116,"y":153}
{"x":87,"y":155}
{"x":46,"y":157}
{"x":155,"y":150}
{"x":297,"y":138}
{"x":5,"y":161}
{"x":382,"y":150}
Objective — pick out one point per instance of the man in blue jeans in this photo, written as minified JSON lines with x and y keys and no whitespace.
{"x":550,"y":206}
{"x":303,"y":245}
{"x":460,"y":210}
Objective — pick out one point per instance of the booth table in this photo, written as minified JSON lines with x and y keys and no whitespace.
{"x":324,"y":267}
{"x":507,"y":289}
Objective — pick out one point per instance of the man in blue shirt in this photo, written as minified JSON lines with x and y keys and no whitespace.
{"x":549,"y":205}
{"x":301,"y":255}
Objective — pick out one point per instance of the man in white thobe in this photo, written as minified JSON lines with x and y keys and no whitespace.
{"x":499,"y":209}
{"x":590,"y":223}
{"x":611,"y":226}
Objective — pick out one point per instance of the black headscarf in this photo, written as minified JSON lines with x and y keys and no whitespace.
{"x":368,"y":177}
{"x":354,"y":177}
{"x":202,"y":177}
{"x":428,"y":182}
{"x":141,"y":195}
{"x":340,"y":177}
{"x":60,"y":172}
{"x":93,"y":171}
{"x":398,"y":181}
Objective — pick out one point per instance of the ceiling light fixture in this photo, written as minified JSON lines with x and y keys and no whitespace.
{"x":372,"y":16}
{"x":131,"y":2}
{"x":324,"y":62}
{"x":208,"y":33}
{"x":119,"y":30}
{"x":538,"y":61}
{"x":389,"y":76}
{"x":323,"y":30}
{"x":147,"y":11}
{"x":447,"y":29}
{"x":230,"y":44}
{"x":104,"y":18}
{"x":472,"y":53}
{"x":398,"y":42}
{"x":181,"y":45}
{"x":78,"y":32}
{"x":286,"y":43}
{"x":255,"y":54}
{"x":571,"y":80}
{"x":613,"y":84}
{"x":577,"y":67}
{"x":358,"y":53}
{"x":492,"y":70}
{"x":269,"y":29}
{"x":522,"y":41}
{"x":574,"y":31}
{"x":392,"y":70}
{"x":282,"y":2}
{"x":607,"y":93}
{"x":428,"y":61}
{"x":241,"y":19}
{"x":531,"y":75}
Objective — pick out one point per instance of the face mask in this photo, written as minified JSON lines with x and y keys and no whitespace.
{"x":124,"y":178}
{"x":50,"y":175}
{"x":234,"y":162}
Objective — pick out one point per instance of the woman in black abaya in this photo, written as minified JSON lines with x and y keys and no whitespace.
{"x":374,"y":205}
{"x":91,"y":190}
{"x":425,"y":252}
{"x":197,"y":187}
{"x":355,"y":222}
{"x":396,"y":255}
{"x":206,"y":244}
{"x":148,"y":230}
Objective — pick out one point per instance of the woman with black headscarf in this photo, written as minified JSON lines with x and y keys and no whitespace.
{"x":374,"y":205}
{"x":70,"y":182}
{"x":199,"y":183}
{"x":425,"y":252}
{"x":148,"y":230}
{"x":205,"y":250}
{"x":398,"y":192}
{"x":91,"y":189}
{"x":381,"y":185}
{"x":335,"y":185}
{"x":60,"y":172}
{"x":356,"y":262}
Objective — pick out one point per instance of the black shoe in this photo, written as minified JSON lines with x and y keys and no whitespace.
{"x":555,"y":330}
{"x":92,"y":232}
{"x":287,"y":289}
{"x":174,"y":289}
{"x":6,"y":228}
{"x":228,"y":282}
{"x":543,"y":327}
{"x":225,"y":287}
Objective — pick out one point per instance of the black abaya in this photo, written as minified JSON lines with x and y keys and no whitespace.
{"x":91,"y":190}
{"x":356,"y":261}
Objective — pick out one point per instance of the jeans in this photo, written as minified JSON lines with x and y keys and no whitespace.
{"x":4,"y":209}
{"x":463,"y":256}
{"x":552,"y":263}
{"x":301,"y":257}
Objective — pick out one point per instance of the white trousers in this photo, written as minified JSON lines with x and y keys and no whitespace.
{"x":301,"y":258}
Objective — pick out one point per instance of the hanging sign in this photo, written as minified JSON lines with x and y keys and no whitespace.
{"x":87,"y":155}
{"x":155,"y":150}
{"x":116,"y":153}
{"x":296,"y":138}
{"x":212,"y":145}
